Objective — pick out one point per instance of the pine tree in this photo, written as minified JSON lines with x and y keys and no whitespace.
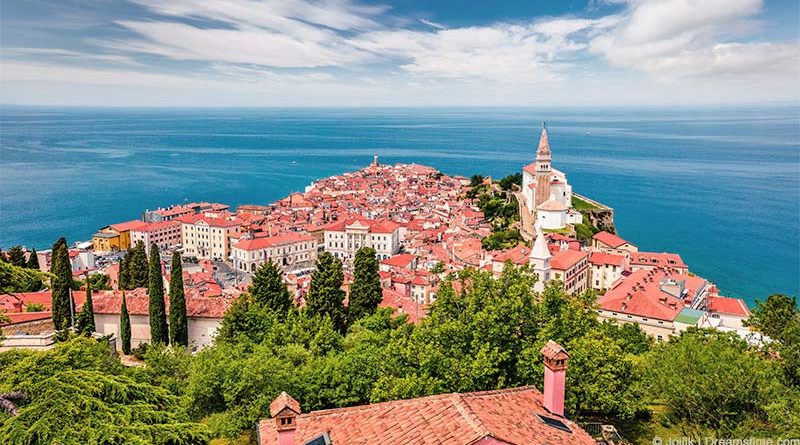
{"x":178,"y":325}
{"x":125,"y":327}
{"x":85,"y":323}
{"x":159,"y":332}
{"x":62,"y":305}
{"x":325,"y":294}
{"x":268,"y":288}
{"x":33,"y":260}
{"x":137,"y":267}
{"x":124,"y":280}
{"x":16,"y":256}
{"x":365,"y":293}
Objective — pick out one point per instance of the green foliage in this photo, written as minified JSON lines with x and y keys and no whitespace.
{"x":268,"y":288}
{"x":138,"y":269}
{"x":18,"y":279}
{"x":500,"y":209}
{"x":178,"y":324}
{"x":85,"y":323}
{"x":124,"y":281}
{"x":585,"y":231}
{"x":502,"y":239}
{"x":713,"y":383}
{"x":325,"y":295}
{"x":580,"y":204}
{"x":16,"y":256}
{"x":475,"y":181}
{"x":125,"y":327}
{"x":779,"y":318}
{"x":365,"y":292}
{"x":33,"y":260}
{"x":85,"y":406}
{"x":159,"y":331}
{"x":98,"y":281}
{"x":510,"y":181}
{"x":35,"y":307}
{"x":61,"y":284}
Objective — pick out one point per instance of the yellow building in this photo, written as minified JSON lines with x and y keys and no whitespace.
{"x":115,"y":237}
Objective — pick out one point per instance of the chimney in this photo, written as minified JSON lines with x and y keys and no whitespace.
{"x":285,"y":410}
{"x":555,"y":373}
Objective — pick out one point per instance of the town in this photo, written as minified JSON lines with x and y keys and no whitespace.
{"x":421,"y":223}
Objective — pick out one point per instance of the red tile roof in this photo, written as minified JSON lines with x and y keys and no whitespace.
{"x":403,"y":305}
{"x":640,"y":294}
{"x":213,"y":222}
{"x":128,"y":225}
{"x":725,"y":305}
{"x":110,"y":302}
{"x":401,"y":260}
{"x":602,"y":258}
{"x":609,"y":239}
{"x":658,"y":259}
{"x":272,"y":241}
{"x":565,"y":259}
{"x":506,"y":415}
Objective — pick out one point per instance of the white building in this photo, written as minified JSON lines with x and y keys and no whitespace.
{"x":165,"y":234}
{"x":209,"y":237}
{"x":547,"y":193}
{"x":540,"y":260}
{"x":343,"y":238}
{"x":292,"y":251}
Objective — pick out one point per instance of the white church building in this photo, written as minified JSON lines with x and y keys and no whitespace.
{"x":547,"y":193}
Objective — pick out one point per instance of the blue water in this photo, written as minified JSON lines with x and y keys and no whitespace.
{"x":719,"y":186}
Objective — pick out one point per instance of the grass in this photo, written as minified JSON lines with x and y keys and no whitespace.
{"x":564,"y":231}
{"x":580,"y":204}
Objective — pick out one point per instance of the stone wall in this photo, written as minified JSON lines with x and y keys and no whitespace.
{"x":603,"y":219}
{"x":30,"y":327}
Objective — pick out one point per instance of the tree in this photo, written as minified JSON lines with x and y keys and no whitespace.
{"x":712,"y":383}
{"x":774,"y":315}
{"x":365,"y":292}
{"x":125,"y":327}
{"x":56,"y":413}
{"x":510,"y":181}
{"x":268,"y":288}
{"x":62,"y":304}
{"x":159,"y":331}
{"x":137,"y":267}
{"x":85,"y":324}
{"x":178,"y":325}
{"x":33,"y":260}
{"x":16,"y":256}
{"x":124,"y":279}
{"x":325,"y":294}
{"x":3,"y":257}
{"x":99,"y":281}
{"x":19,"y":279}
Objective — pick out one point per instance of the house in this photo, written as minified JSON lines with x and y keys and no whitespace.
{"x":291,"y":251}
{"x":725,"y":312}
{"x":115,"y":237}
{"x":344,"y":237}
{"x":610,"y":243}
{"x":654,"y":299}
{"x":165,"y":234}
{"x":514,"y":416}
{"x":406,"y":261}
{"x":653,"y":260}
{"x":571,"y":267}
{"x":209,"y":237}
{"x":606,"y":269}
{"x":204,"y":315}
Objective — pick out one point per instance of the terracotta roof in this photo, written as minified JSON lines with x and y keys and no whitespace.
{"x":128,"y":225}
{"x":602,"y":258}
{"x":725,"y":305}
{"x":564,"y":259}
{"x":401,"y":260}
{"x":24,"y":317}
{"x":508,"y":415}
{"x":151,"y":227}
{"x":609,"y":239}
{"x":657,"y":259}
{"x":640,"y":294}
{"x":272,"y":241}
{"x":110,"y":302}
{"x":403,"y":305}
{"x":552,"y":205}
{"x":213,"y":222}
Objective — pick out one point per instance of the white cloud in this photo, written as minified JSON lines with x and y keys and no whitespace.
{"x":673,"y":39}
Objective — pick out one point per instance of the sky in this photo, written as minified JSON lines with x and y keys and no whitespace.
{"x":399,"y":53}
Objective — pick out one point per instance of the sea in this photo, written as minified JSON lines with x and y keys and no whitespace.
{"x":719,"y":186}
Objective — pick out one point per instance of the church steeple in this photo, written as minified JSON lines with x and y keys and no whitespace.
{"x":543,"y":154}
{"x":540,"y":259}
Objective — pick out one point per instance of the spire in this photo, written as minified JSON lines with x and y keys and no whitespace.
{"x":544,"y":145}
{"x":540,"y":250}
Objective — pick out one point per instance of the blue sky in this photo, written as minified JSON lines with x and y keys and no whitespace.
{"x":397,"y":53}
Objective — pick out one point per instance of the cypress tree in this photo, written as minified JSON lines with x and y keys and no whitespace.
{"x":62,"y":305}
{"x":325,"y":294}
{"x":137,"y":267}
{"x":85,"y":324}
{"x":33,"y":260}
{"x":268,"y":288}
{"x":16,"y":256}
{"x":124,"y":279}
{"x":159,"y":332}
{"x":178,"y":325}
{"x":365,"y":293}
{"x":125,"y":327}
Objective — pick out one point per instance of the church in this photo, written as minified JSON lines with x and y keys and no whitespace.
{"x":548,"y":195}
